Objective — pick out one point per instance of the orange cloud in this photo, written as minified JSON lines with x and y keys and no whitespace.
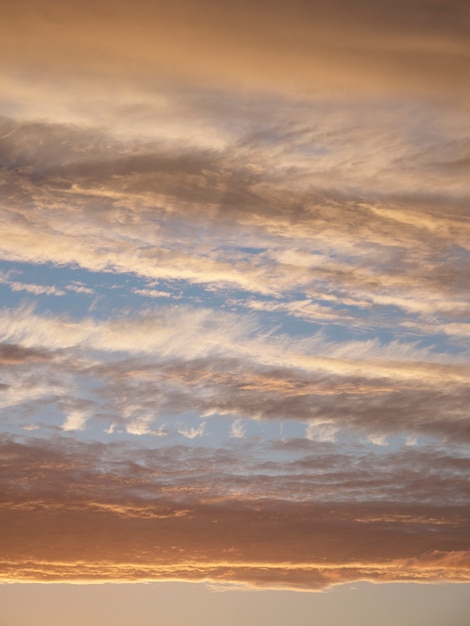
{"x":87,"y":513}
{"x":311,"y":47}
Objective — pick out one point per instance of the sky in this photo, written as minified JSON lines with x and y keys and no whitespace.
{"x":234,"y":312}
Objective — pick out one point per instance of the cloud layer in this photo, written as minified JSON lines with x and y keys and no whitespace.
{"x":117,"y":513}
{"x":356,"y":46}
{"x":235,"y":261}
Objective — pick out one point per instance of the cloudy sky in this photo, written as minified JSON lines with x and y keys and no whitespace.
{"x":235,"y":311}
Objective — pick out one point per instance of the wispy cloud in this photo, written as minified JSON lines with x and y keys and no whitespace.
{"x":238,"y":429}
{"x":218,"y":363}
{"x":192,"y":433}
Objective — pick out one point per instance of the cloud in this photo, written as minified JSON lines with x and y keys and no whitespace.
{"x":238,"y":429}
{"x":36,"y":289}
{"x":380,"y":440}
{"x":380,"y":250}
{"x":180,"y":524}
{"x":192,"y":433}
{"x":14,"y":354}
{"x":141,"y":426}
{"x":287,"y":184}
{"x":77,"y":288}
{"x":76,"y":420}
{"x":152,"y":293}
{"x":350,"y":46}
{"x":169,"y":362}
{"x":319,"y":430}
{"x":15,"y":285}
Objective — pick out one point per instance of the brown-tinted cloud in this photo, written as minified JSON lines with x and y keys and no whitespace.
{"x":183,"y":213}
{"x":12,"y":354}
{"x":352,"y":47}
{"x":88,"y":512}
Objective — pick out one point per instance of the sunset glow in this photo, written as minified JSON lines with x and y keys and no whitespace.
{"x":234,"y":300}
